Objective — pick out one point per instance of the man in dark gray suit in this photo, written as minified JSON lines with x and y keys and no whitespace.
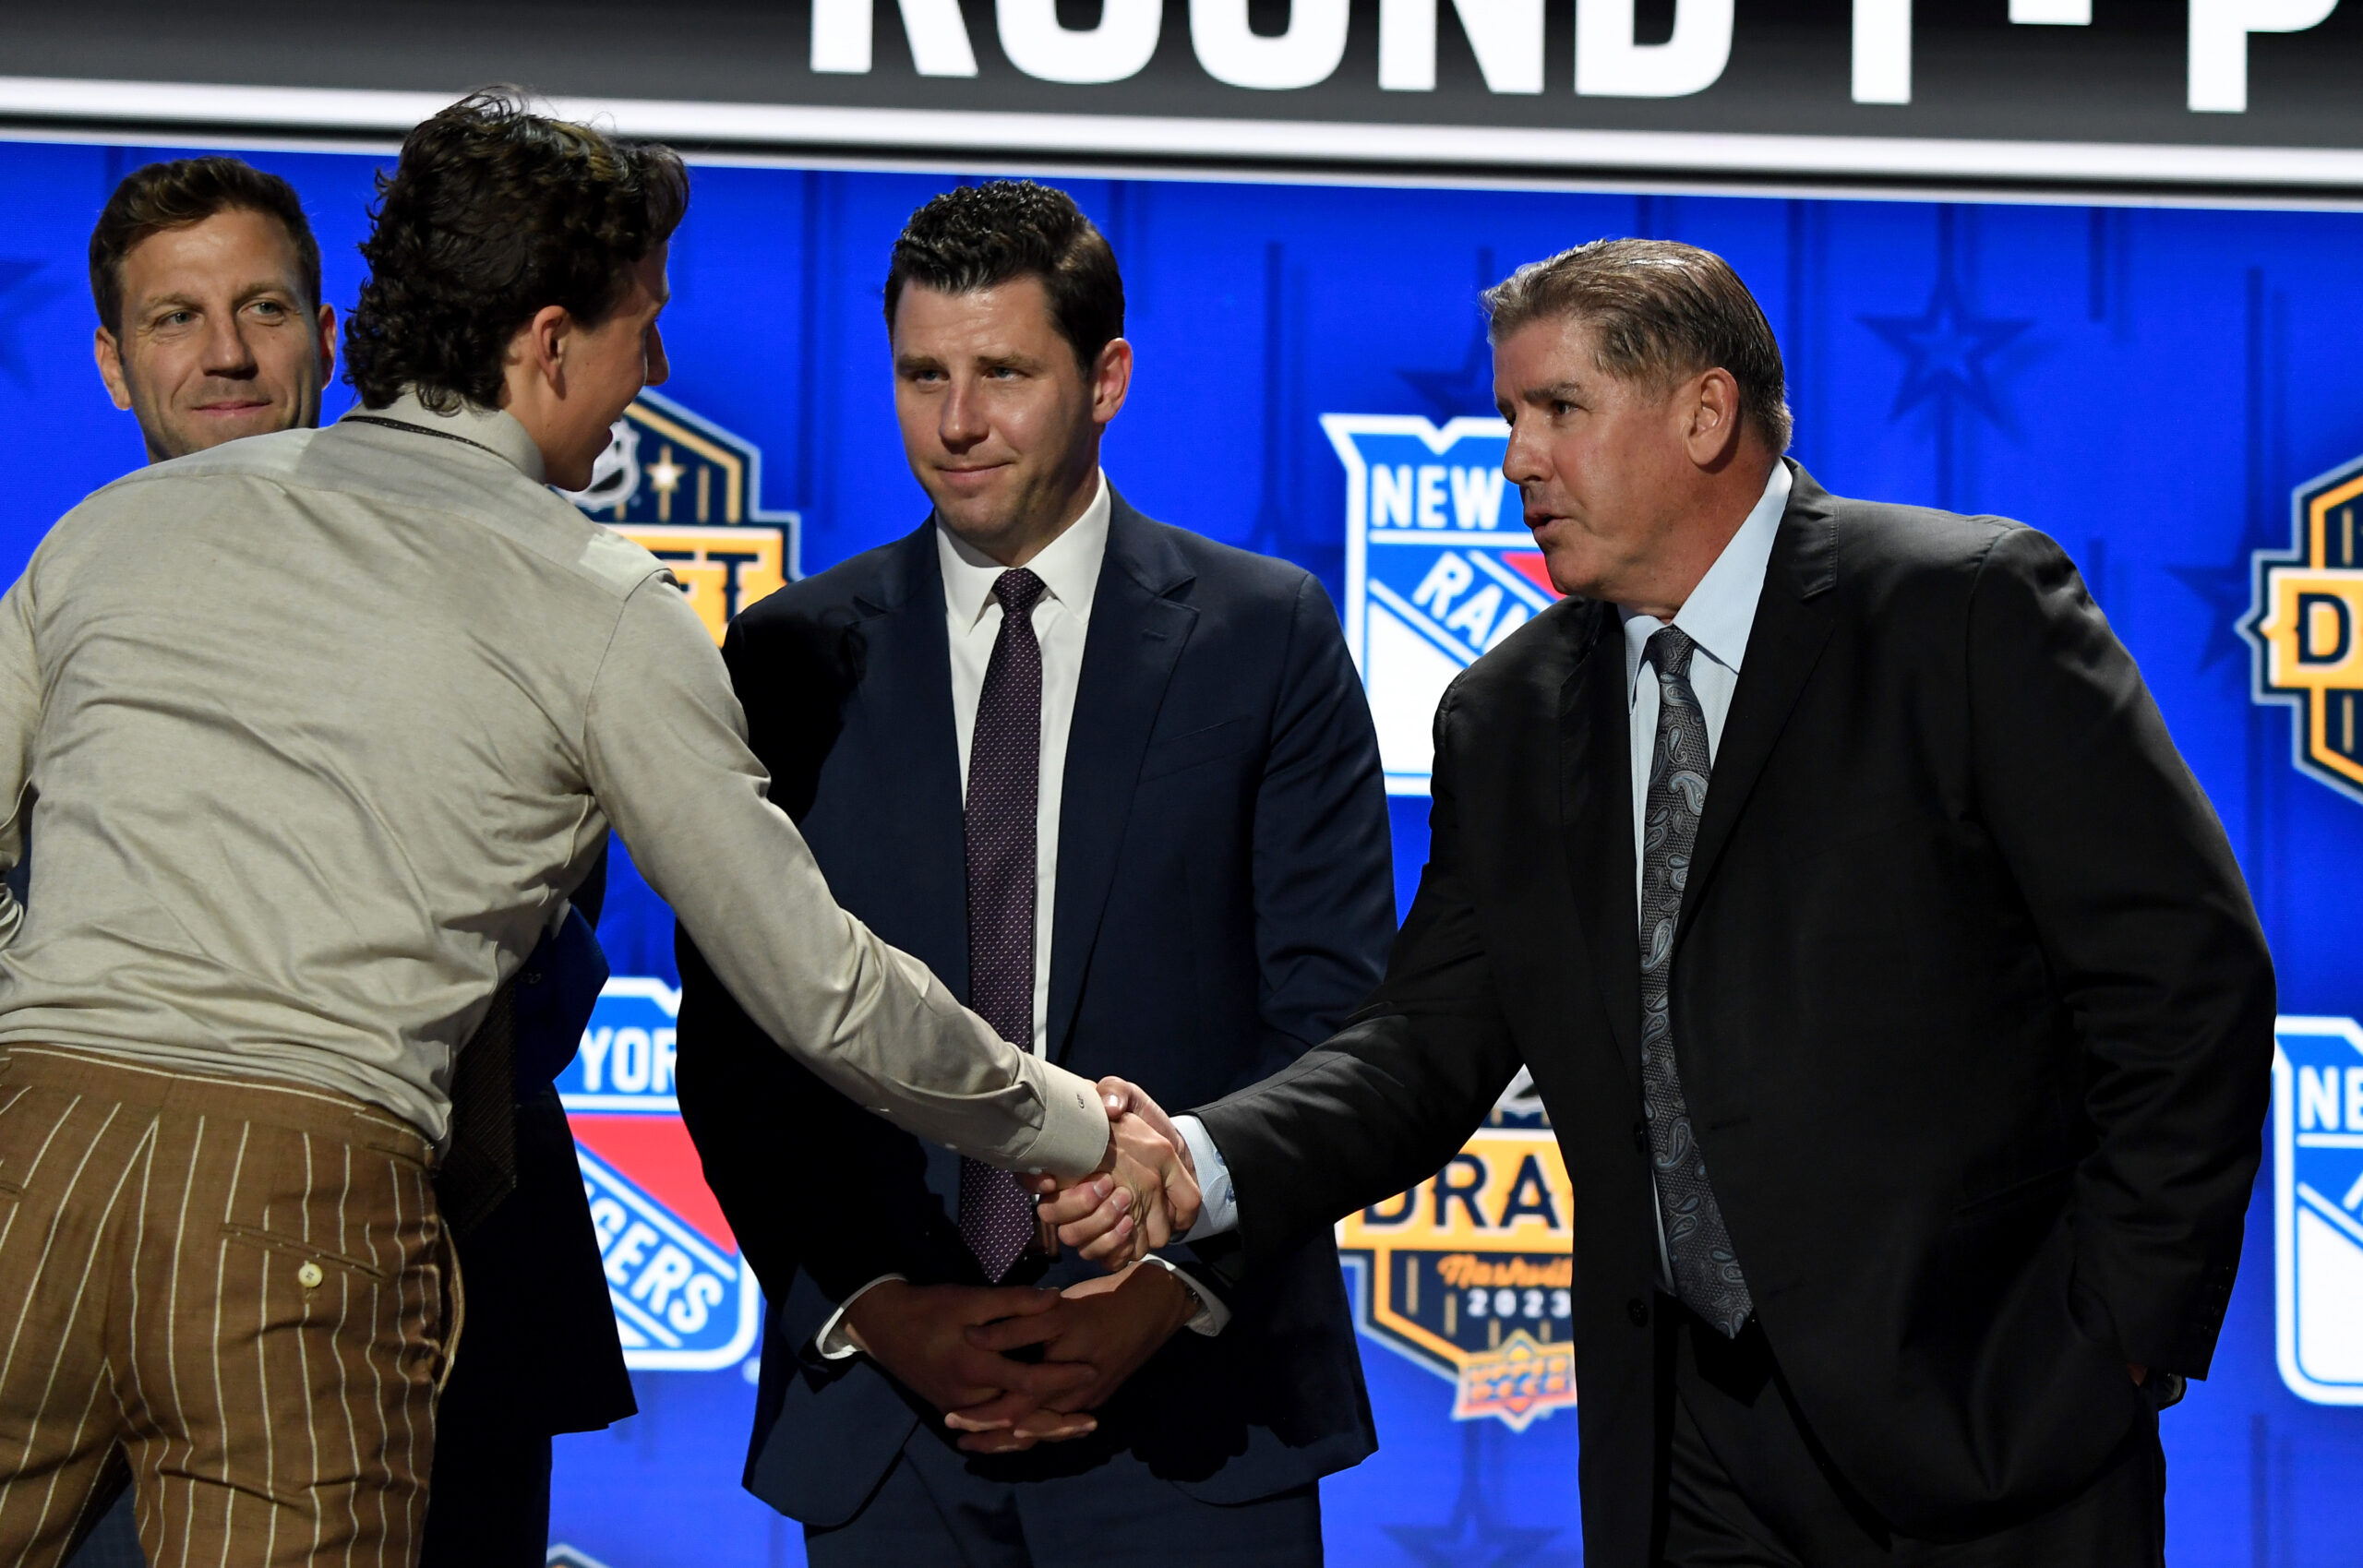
{"x":1895,"y":995}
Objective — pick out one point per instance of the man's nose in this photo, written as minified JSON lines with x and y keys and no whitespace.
{"x":962,"y":424}
{"x":1523,"y":462}
{"x":658,"y":369}
{"x":227,"y":353}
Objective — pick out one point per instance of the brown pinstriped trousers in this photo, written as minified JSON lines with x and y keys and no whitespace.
{"x":235,"y":1289}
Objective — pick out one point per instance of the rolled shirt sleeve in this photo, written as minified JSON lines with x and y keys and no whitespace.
{"x":666,"y":752}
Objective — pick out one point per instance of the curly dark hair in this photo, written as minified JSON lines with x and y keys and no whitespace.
{"x":493,"y":213}
{"x":157,"y":197}
{"x":980,"y":236}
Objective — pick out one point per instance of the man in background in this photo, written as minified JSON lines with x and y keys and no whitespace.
{"x":207,"y":281}
{"x":1119,"y":784}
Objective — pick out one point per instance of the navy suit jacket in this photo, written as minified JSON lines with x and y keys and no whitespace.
{"x":1225,"y":897}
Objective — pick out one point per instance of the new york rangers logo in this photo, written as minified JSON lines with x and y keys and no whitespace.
{"x":1439,"y":567}
{"x":685,"y":1298}
{"x":2318,"y":1207}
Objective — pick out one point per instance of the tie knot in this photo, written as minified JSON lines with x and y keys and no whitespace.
{"x":1017,"y":589}
{"x":1668,"y":654}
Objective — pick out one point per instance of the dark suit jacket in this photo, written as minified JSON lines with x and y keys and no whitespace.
{"x":538,"y":1354}
{"x":1971,"y":1010}
{"x":1224,"y":898}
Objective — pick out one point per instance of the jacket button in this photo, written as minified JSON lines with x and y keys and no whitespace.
{"x":1639,"y":1312}
{"x":1641,"y":1137}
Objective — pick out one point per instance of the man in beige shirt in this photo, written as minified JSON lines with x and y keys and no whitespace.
{"x":279,"y":887}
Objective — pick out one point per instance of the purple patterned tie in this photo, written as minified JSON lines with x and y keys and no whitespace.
{"x":1004,"y":781}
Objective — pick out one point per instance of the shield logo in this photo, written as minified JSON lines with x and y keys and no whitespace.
{"x":2305,"y":626}
{"x":2318,"y":1207}
{"x":1439,"y":567}
{"x":1472,"y":1274}
{"x":689,"y":491}
{"x":685,"y":1298}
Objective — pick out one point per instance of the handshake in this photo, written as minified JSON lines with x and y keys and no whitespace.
{"x":1010,"y":1365}
{"x":1144,"y":1195}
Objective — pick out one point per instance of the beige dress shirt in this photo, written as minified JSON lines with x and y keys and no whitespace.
{"x":324,"y":725}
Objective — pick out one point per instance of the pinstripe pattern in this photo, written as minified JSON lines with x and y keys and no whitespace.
{"x":157,"y":1233}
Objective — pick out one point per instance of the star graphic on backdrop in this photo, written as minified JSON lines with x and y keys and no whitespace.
{"x":1473,"y":1536}
{"x":2228,"y":591}
{"x":1945,"y":349}
{"x":1466,"y":388}
{"x":21,"y":293}
{"x":666,"y":474}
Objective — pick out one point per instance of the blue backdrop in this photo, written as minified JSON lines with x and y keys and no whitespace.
{"x":2146,"y":384}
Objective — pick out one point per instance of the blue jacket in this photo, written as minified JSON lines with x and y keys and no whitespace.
{"x":1224,"y":899}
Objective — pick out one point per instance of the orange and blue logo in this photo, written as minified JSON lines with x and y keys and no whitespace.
{"x":1472,"y":1274}
{"x":2305,"y":626}
{"x":689,"y":493}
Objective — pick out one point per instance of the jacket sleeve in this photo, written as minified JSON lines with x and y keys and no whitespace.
{"x":2143,"y":918}
{"x":1383,"y":1104}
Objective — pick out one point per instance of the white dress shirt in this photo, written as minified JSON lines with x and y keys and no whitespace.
{"x":1069,"y":567}
{"x":1718,"y":616}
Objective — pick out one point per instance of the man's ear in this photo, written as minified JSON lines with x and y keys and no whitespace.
{"x":109,"y":353}
{"x":326,"y":324}
{"x":535,"y":365}
{"x":1713,"y":418}
{"x":1111,"y":379}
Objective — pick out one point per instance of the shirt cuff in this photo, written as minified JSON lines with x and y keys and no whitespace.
{"x":1212,"y":1317}
{"x":833,"y":1342}
{"x":1217,"y":1205}
{"x":1074,"y":1133}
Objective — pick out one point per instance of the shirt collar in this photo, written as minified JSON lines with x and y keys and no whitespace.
{"x":496,"y":430}
{"x":1721,"y":611}
{"x":1068,"y":566}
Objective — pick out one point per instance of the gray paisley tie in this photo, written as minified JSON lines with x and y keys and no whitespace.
{"x":1706,"y":1271}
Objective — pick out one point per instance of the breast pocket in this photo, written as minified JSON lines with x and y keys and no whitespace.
{"x":1194,"y":749}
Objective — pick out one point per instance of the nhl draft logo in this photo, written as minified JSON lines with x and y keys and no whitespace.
{"x":1439,"y":567}
{"x":2305,"y":626}
{"x":1472,"y":1274}
{"x":685,"y":1298}
{"x":687,"y":491}
{"x":2318,"y":1207}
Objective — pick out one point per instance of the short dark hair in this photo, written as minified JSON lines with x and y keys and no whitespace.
{"x":157,"y":197}
{"x":1662,"y":310}
{"x":493,"y":213}
{"x":981,"y":237}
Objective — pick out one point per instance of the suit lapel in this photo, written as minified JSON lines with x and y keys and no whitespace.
{"x":1794,"y":615}
{"x":907,"y":674}
{"x":1596,"y":822}
{"x":1136,"y":636}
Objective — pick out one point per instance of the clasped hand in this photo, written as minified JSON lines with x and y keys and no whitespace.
{"x":1145,"y":1193}
{"x":950,"y":1344}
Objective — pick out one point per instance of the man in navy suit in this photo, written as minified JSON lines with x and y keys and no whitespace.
{"x":1117,"y":785}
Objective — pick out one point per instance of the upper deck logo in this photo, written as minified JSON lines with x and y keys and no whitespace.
{"x":1471,"y":1274}
{"x":2318,"y":1207}
{"x":690,"y":492}
{"x":685,"y":1298}
{"x":1438,"y":567}
{"x":2305,"y":626}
